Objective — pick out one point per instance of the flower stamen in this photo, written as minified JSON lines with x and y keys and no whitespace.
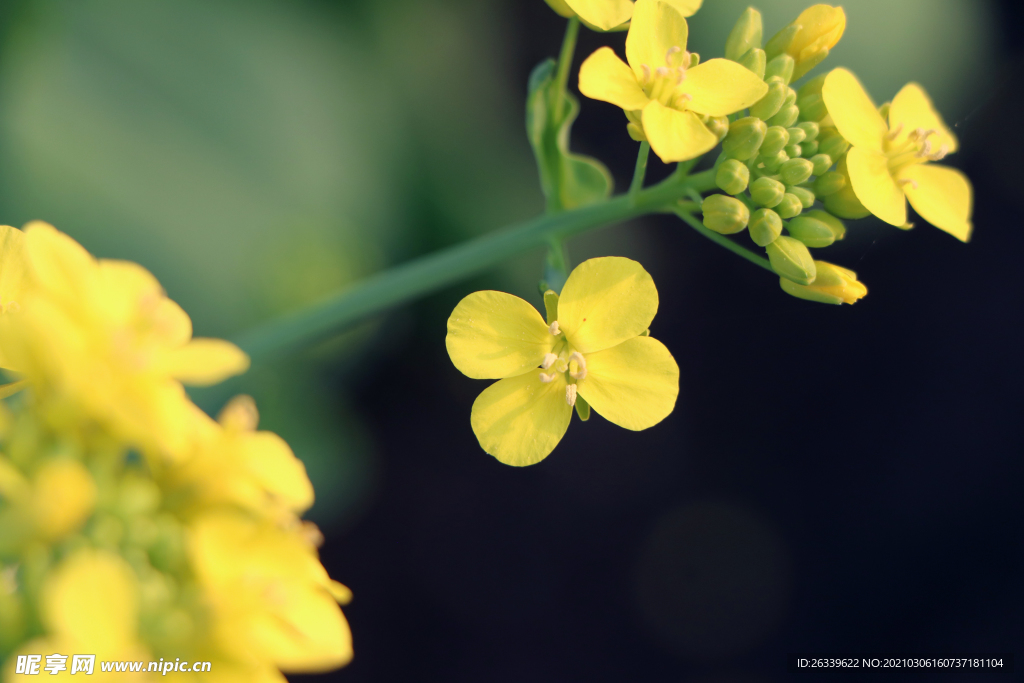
{"x":581,"y":366}
{"x":570,"y":394}
{"x":549,"y":360}
{"x":553,"y":329}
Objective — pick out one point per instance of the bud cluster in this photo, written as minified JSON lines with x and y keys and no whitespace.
{"x":785,"y":156}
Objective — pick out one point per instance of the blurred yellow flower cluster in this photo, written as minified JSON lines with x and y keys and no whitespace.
{"x":133,"y":526}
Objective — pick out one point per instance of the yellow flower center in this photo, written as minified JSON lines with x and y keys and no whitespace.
{"x":663,"y":83}
{"x":564,"y":360}
{"x":915,"y":148}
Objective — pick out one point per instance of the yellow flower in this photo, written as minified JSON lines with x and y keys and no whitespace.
{"x":660,"y":92}
{"x":833,"y":285}
{"x":271,"y":598}
{"x":89,"y":605}
{"x":101,"y":336}
{"x":888,"y":163}
{"x":592,"y":348}
{"x":235,"y":464}
{"x":810,"y":37}
{"x":608,"y":15}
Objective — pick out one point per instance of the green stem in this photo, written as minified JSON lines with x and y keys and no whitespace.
{"x":641,"y":168}
{"x":565,"y":57}
{"x":724,"y":241}
{"x":434,"y":271}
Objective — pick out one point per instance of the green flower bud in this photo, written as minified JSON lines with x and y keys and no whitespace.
{"x":829,"y":183}
{"x":769,"y":105}
{"x":805,"y":195}
{"x":790,"y":206}
{"x":754,"y":60}
{"x":725,"y":215}
{"x":796,"y":171}
{"x":786,"y":117}
{"x":837,"y":226}
{"x":732,"y":176}
{"x":809,"y":63}
{"x":813,"y":86}
{"x":781,"y":41}
{"x":810,"y":148}
{"x":781,"y":66}
{"x":810,"y":129}
{"x":832,"y":285}
{"x":719,"y":125}
{"x":745,"y":35}
{"x":796,"y":135}
{"x":767,"y":192}
{"x":845,"y":204}
{"x":794,"y":151}
{"x":833,"y":144}
{"x":812,"y":107}
{"x":774,"y":162}
{"x":812,"y":231}
{"x":765,"y":227}
{"x":821,"y":162}
{"x":790,"y":98}
{"x":791,"y":259}
{"x":775,"y":140}
{"x":744,"y":138}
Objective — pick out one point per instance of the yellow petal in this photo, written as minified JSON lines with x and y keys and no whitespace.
{"x":205,"y":361}
{"x":277,"y":470}
{"x":492,"y":335}
{"x":657,"y":28}
{"x":520,"y":420}
{"x":561,"y":7}
{"x":92,"y":597}
{"x":59,"y":264}
{"x":676,"y":135}
{"x":852,"y":110}
{"x":634,"y":384}
{"x":12,"y":264}
{"x":943,"y":197}
{"x":604,"y":14}
{"x":687,"y":8}
{"x":606,"y":301}
{"x":605,"y":77}
{"x":720,"y":87}
{"x":63,"y":497}
{"x":913,"y":109}
{"x":874,"y":185}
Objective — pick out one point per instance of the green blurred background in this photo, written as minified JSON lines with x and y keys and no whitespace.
{"x":259,"y":155}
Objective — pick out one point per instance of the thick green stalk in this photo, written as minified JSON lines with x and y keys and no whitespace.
{"x":434,"y":271}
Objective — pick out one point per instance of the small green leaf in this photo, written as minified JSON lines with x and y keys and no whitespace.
{"x":569,"y":180}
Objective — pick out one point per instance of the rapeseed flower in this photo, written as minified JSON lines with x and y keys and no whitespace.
{"x":201,"y":556}
{"x":609,"y":15}
{"x":101,"y":336}
{"x":593,"y":347}
{"x":889,"y":162}
{"x":235,"y":464}
{"x":667,"y":97}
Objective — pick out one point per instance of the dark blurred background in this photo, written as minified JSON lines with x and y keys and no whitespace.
{"x":833,"y":479}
